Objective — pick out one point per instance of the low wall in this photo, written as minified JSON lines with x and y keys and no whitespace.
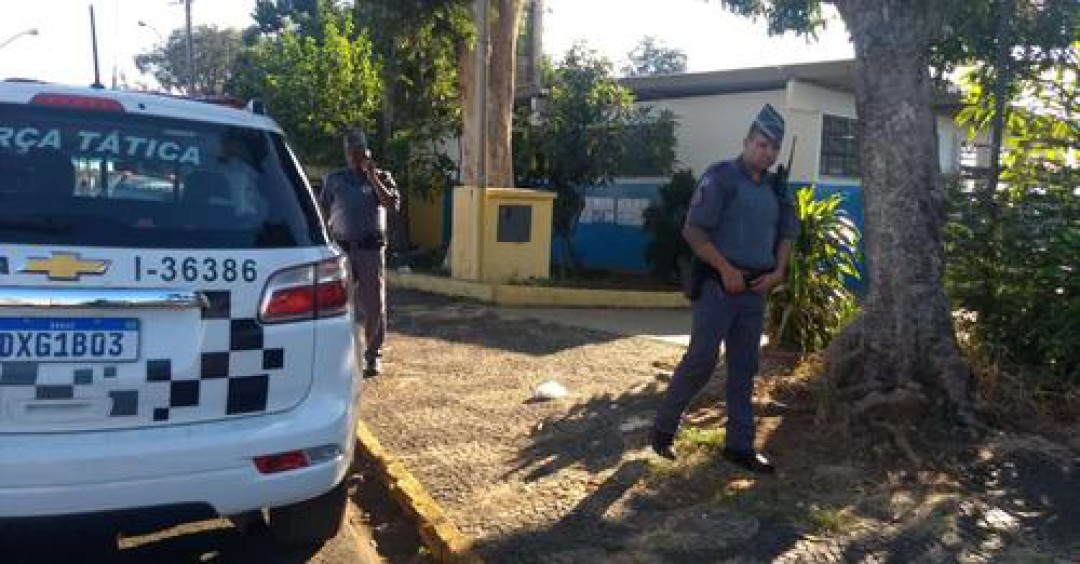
{"x":538,"y":296}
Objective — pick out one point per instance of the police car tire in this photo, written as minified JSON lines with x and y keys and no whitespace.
{"x":310,"y":522}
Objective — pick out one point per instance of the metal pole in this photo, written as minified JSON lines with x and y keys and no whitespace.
{"x":190,"y":50}
{"x":93,"y":39}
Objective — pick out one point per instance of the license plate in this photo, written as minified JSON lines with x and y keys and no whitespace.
{"x":68,"y":339}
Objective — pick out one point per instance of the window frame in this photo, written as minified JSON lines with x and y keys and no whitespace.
{"x":838,"y":155}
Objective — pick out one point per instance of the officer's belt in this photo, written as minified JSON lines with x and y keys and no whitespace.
{"x":368,"y":242}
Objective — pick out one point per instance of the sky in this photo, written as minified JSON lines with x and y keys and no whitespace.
{"x":712,"y":38}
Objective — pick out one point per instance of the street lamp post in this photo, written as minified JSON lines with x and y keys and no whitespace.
{"x":31,"y":31}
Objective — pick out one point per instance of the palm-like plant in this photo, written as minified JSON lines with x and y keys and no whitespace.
{"x":814,"y":302}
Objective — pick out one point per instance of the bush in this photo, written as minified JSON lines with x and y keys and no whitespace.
{"x":667,"y":251}
{"x":1019,"y":285}
{"x":1014,"y":250}
{"x":813,"y":304}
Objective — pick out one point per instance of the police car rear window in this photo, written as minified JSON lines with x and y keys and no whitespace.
{"x":77,"y":177}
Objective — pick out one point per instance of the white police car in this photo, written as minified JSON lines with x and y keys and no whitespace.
{"x":175,"y":329}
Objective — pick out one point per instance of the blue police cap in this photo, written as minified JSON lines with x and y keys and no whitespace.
{"x":769,"y":123}
{"x":355,"y":138}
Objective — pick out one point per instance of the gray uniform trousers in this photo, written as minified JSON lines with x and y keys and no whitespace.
{"x":369,"y":297}
{"x":737,"y":321}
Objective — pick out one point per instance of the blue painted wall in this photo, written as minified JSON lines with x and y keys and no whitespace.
{"x":853,"y":205}
{"x":610,"y":244}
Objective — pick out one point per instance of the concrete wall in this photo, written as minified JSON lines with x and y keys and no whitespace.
{"x":805,"y":106}
{"x":499,"y":261}
{"x":426,"y":219}
{"x":712,"y":128}
{"x":951,"y":138}
{"x":610,"y":234}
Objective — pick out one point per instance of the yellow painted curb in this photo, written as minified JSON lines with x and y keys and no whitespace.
{"x":513,"y":295}
{"x":437,"y":531}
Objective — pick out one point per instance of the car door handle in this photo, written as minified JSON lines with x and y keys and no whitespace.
{"x":100,"y":298}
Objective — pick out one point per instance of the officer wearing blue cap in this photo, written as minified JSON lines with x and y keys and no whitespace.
{"x":355,"y":201}
{"x":741,"y":230}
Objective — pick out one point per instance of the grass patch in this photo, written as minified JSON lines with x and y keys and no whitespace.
{"x":701,"y":439}
{"x":829,"y":519}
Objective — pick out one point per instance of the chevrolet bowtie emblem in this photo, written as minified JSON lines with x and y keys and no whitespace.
{"x":65,"y":266}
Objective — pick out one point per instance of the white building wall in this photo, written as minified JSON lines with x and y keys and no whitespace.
{"x":951,"y":139}
{"x":806,"y":104}
{"x":712,"y":128}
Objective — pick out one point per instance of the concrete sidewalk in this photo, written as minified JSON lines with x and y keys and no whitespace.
{"x":665,"y":325}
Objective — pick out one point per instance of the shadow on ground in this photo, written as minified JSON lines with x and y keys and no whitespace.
{"x":89,"y":541}
{"x":831,"y":502}
{"x":454,"y":320}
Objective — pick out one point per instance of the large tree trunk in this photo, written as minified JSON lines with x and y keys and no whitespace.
{"x":899,"y":360}
{"x":501,"y":78}
{"x":503,"y":19}
{"x":470,"y":118}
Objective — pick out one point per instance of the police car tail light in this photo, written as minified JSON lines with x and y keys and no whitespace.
{"x":78,"y":102}
{"x":289,"y":296}
{"x":332,"y":287}
{"x":306,"y":292}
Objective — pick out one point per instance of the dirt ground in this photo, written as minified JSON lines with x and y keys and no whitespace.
{"x":569,"y":480}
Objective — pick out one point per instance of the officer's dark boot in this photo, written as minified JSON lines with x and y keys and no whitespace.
{"x":749,"y":460}
{"x":372,"y":365}
{"x":663,"y":444}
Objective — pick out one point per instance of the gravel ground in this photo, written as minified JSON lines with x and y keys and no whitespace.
{"x":569,"y":480}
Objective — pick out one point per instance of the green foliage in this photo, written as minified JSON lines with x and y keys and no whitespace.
{"x":803,"y":16}
{"x":299,"y":16}
{"x":652,"y":58}
{"x":577,"y":138}
{"x":813,"y":304}
{"x":417,"y":44}
{"x":214,"y":54}
{"x":648,"y":143}
{"x":667,"y":251}
{"x":314,"y":87}
{"x":411,"y":49}
{"x":1039,"y":35}
{"x":1016,"y":270}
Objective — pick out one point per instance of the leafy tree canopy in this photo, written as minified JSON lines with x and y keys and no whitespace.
{"x":578,"y":136}
{"x":215,"y":51}
{"x":652,"y":58}
{"x":314,"y":87}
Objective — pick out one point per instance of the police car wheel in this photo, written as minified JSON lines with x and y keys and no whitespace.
{"x":310,"y":522}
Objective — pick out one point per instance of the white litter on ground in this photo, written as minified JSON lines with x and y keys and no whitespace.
{"x":550,"y":390}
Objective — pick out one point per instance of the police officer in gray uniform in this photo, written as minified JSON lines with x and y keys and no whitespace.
{"x":741,"y":229}
{"x":355,"y":201}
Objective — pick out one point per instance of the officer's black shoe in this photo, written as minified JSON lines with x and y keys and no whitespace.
{"x":663,"y":444}
{"x":372,"y":367}
{"x":749,"y":460}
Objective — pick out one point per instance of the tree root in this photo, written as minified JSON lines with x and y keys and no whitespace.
{"x":901,"y":441}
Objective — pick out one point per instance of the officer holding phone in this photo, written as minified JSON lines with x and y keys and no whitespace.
{"x":355,"y":201}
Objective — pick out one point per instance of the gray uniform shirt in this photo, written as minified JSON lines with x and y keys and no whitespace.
{"x":352,"y":207}
{"x":744,"y":219}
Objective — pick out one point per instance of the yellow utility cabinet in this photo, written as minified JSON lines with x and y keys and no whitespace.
{"x":516,"y":234}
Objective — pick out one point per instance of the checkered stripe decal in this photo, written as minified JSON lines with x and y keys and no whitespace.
{"x":233,"y":374}
{"x":235,"y":368}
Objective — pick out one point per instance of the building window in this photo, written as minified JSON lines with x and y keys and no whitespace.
{"x":839,"y":147}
